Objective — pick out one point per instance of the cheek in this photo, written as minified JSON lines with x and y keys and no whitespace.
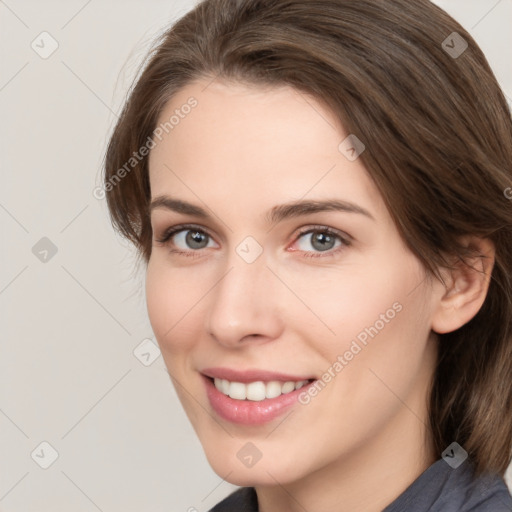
{"x":383,"y":345}
{"x":347,"y":301}
{"x":373,"y":308}
{"x":170,"y":298}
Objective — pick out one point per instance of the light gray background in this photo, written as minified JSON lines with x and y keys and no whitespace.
{"x":68,"y":372}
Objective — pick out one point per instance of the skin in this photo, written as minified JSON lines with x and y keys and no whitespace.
{"x":363,"y":439}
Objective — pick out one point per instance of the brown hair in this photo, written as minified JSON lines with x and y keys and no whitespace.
{"x":438,"y":137}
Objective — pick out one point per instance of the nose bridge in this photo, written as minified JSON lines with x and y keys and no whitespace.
{"x":243,"y":302}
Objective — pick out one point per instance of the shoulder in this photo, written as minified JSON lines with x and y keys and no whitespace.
{"x":488,"y":494}
{"x":442,"y":488}
{"x":242,"y":500}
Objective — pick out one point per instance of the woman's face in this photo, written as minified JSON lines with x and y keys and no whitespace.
{"x":266,"y":291}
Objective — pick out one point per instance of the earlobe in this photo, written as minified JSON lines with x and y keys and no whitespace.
{"x":466,"y":288}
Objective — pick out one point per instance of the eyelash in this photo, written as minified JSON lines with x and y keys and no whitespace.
{"x":168,"y":234}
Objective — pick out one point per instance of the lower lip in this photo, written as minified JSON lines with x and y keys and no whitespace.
{"x":249,"y":412}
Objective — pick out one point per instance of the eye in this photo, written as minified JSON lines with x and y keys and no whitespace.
{"x":188,"y":238}
{"x":323,"y":240}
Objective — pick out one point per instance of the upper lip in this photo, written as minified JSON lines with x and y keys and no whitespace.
{"x":250,"y":375}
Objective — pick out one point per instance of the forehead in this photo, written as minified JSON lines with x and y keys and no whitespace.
{"x":253,"y":144}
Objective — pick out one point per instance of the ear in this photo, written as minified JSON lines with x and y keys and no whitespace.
{"x":465,"y":288}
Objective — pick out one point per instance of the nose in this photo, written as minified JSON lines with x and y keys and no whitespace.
{"x":244,"y":304}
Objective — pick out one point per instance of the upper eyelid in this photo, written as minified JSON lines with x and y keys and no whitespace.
{"x":178,"y":228}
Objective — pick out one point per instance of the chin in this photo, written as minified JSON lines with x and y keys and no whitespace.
{"x":265,"y":471}
{"x":252,"y":477}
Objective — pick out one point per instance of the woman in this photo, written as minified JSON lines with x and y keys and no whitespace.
{"x":317,"y":191}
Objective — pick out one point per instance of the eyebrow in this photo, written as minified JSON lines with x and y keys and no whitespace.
{"x":274,"y":215}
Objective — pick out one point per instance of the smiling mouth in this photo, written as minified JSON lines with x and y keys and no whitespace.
{"x":258,"y":390}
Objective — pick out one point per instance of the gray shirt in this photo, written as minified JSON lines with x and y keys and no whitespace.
{"x":440,"y":488}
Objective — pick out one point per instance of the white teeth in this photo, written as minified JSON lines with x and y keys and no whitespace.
{"x":238,"y":390}
{"x":288,"y":387}
{"x":225,"y":386}
{"x":273,"y":389}
{"x":256,"y":391}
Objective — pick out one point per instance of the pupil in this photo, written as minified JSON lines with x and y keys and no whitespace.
{"x":195,"y":238}
{"x":323,"y":240}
